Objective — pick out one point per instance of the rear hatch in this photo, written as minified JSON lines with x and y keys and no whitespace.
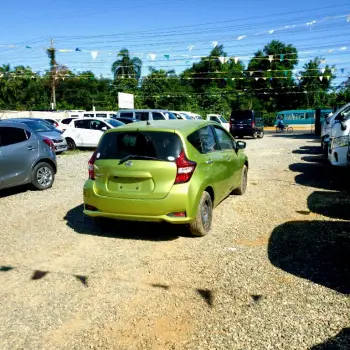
{"x":242,"y":119}
{"x":136,"y":164}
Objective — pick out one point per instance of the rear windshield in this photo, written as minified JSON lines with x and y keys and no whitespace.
{"x":164,"y":146}
{"x":39,"y":125}
{"x":241,"y":115}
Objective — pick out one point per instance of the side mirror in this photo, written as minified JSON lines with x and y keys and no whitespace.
{"x":241,"y":145}
{"x":104,"y":128}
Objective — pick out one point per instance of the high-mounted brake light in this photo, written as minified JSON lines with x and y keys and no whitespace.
{"x":185,"y":169}
{"x":91,"y":166}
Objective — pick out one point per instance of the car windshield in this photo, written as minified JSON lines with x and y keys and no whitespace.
{"x":39,"y":125}
{"x":170,"y":115}
{"x":156,"y":145}
{"x":114,"y":123}
{"x":186,"y":116}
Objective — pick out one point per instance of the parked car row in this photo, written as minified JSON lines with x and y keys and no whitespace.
{"x":335,"y":140}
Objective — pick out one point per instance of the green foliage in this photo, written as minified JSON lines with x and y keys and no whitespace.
{"x":217,"y":83}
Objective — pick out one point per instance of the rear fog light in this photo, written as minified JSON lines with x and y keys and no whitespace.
{"x":178,"y":214}
{"x":90,"y":207}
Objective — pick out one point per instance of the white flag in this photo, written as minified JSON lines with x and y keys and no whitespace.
{"x":94,"y":54}
{"x":190,"y":47}
{"x":214,"y":43}
{"x":321,"y":77}
{"x":241,"y":37}
{"x":271,"y":31}
{"x":236,"y":59}
{"x":270,"y":58}
{"x":152,"y":56}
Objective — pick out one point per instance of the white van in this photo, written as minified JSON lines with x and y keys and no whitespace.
{"x":339,"y":137}
{"x":94,"y":114}
{"x":145,"y":114}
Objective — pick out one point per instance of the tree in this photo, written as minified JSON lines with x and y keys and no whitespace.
{"x":316,"y":81}
{"x":126,"y":67}
{"x":270,"y":75}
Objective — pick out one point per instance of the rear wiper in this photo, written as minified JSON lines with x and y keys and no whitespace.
{"x":135,"y":156}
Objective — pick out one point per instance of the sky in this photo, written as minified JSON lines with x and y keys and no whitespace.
{"x":170,"y":34}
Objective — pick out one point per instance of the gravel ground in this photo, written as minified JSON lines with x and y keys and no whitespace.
{"x":272,"y":274}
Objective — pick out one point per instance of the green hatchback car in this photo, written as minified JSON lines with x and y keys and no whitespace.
{"x":175,"y":171}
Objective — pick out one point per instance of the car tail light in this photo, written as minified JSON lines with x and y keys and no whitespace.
{"x":253,"y":124}
{"x":185,"y":169}
{"x":56,"y":124}
{"x":49,"y":143}
{"x":91,"y":166}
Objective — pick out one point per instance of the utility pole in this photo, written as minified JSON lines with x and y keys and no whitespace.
{"x":53,"y":77}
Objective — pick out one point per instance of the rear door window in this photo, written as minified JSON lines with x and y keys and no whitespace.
{"x":126,"y":115}
{"x":11,"y":136}
{"x":101,"y":115}
{"x":203,"y":140}
{"x":161,"y":146}
{"x":143,"y":116}
{"x":82,"y":124}
{"x":157,"y":116}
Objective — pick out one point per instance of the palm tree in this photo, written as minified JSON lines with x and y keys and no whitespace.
{"x":126,"y":67}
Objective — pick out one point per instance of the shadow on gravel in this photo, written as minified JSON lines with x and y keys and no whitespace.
{"x":314,"y":250}
{"x":14,"y":190}
{"x":319,"y":174}
{"x":340,"y":342}
{"x":297,"y":136}
{"x":83,"y":224}
{"x":308,"y":150}
{"x":332,"y":204}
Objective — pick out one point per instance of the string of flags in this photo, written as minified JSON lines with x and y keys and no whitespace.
{"x":133,"y":76}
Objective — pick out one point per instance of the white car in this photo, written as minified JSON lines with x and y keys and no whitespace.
{"x":86,"y":132}
{"x":181,"y":115}
{"x":219,"y":119}
{"x":63,"y":123}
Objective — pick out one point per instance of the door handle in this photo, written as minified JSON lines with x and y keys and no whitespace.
{"x":209,"y":161}
{"x":31,"y":148}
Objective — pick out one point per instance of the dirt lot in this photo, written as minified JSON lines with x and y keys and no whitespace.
{"x":273,"y":273}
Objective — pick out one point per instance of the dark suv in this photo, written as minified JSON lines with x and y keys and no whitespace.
{"x":26,"y":157}
{"x":247,"y":123}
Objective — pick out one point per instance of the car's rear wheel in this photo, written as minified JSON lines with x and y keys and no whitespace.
{"x":255,"y":135}
{"x":241,"y":189}
{"x":71,"y":144}
{"x":43,"y":176}
{"x":202,"y":224}
{"x":261,"y":135}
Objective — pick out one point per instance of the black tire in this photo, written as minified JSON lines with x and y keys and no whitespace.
{"x":261,"y":135}
{"x":43,"y":176}
{"x":255,"y":135}
{"x":278,"y":130}
{"x":202,"y":224}
{"x":241,"y":189}
{"x":71,"y":144}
